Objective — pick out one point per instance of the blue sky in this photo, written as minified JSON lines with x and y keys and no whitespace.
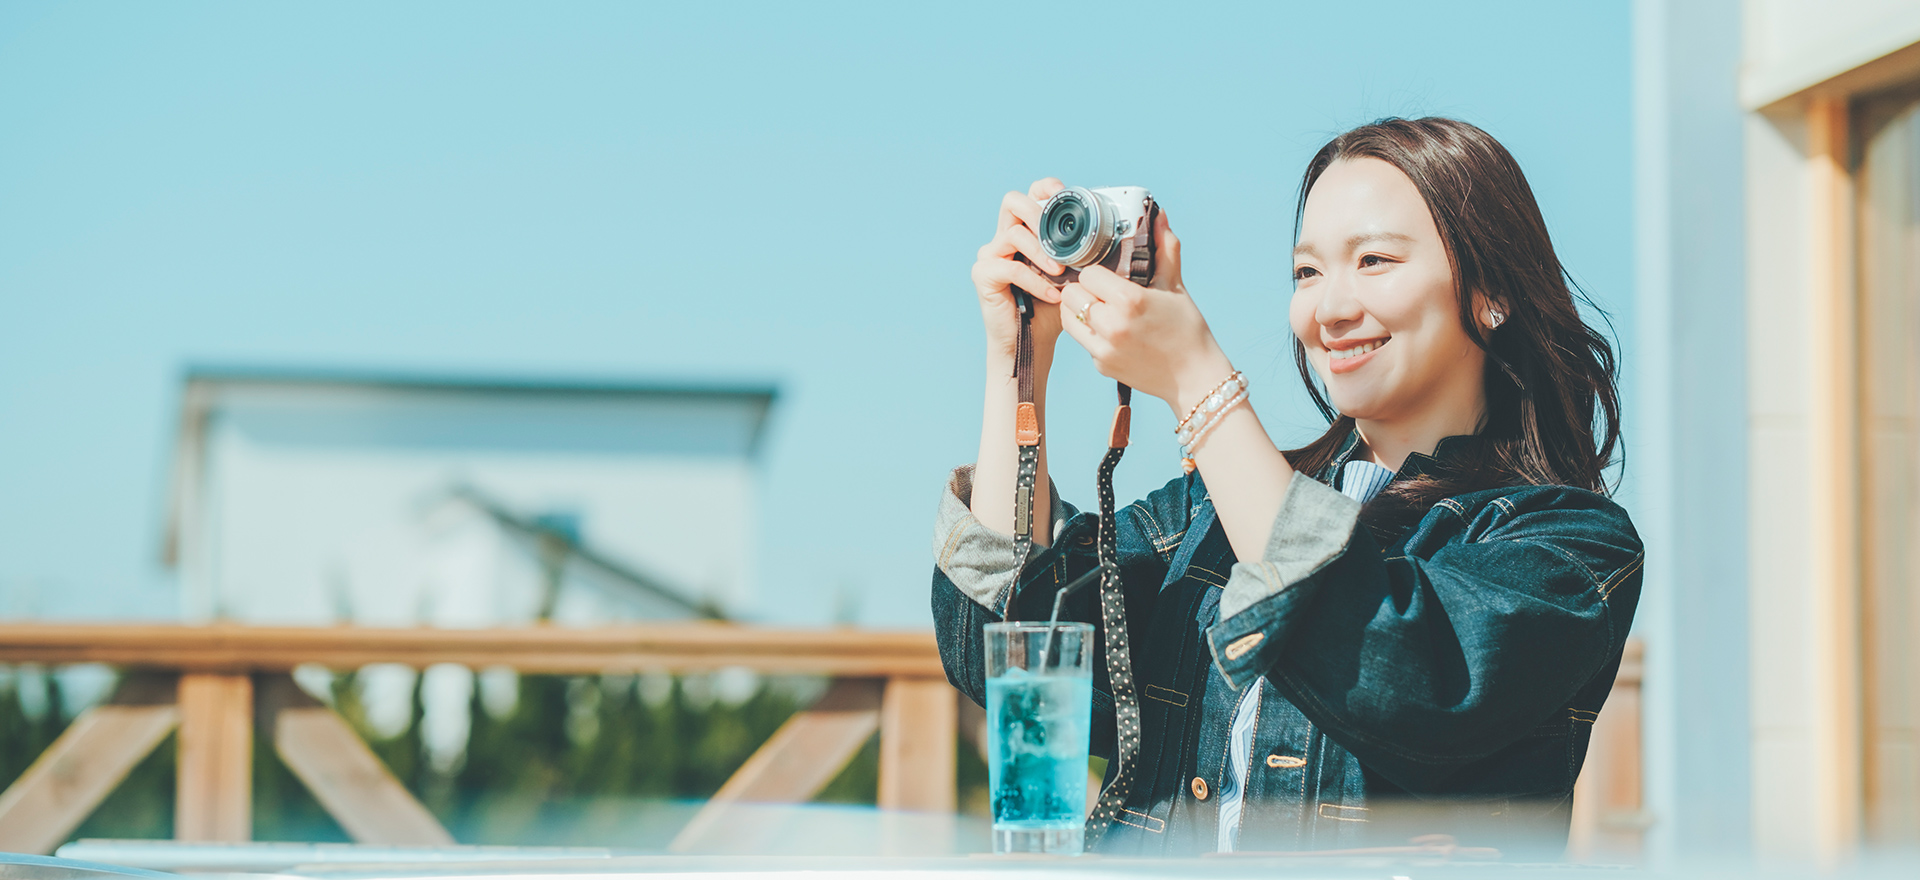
{"x":712,"y":192}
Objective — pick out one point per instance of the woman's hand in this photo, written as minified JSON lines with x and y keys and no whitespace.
{"x":1152,"y":338}
{"x":998,"y":270}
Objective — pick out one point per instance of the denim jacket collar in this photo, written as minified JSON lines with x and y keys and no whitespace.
{"x":1417,"y":463}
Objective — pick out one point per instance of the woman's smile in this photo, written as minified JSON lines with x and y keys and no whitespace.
{"x":1347,"y":356}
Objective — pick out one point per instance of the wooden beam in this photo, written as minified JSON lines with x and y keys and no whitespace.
{"x":797,"y":761}
{"x":214,"y":798}
{"x":918,"y":723}
{"x":682,"y":647}
{"x":70,"y":779}
{"x":1834,"y":480}
{"x":345,"y":776}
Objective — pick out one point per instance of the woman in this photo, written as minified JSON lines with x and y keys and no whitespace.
{"x":1405,"y":627}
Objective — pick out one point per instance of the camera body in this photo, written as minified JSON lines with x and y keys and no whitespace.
{"x":1109,"y":226}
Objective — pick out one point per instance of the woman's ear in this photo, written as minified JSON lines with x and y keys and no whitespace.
{"x":1489,"y":313}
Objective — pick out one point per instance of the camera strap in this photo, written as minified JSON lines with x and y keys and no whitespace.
{"x":1026,"y":436}
{"x":1113,"y":606}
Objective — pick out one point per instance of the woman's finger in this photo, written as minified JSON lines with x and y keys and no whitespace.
{"x":1085,"y":307}
{"x":1045,"y":188}
{"x":1021,"y":240}
{"x":1018,"y":207}
{"x":999,"y":274}
{"x":1112,"y":288}
{"x":1075,"y":302}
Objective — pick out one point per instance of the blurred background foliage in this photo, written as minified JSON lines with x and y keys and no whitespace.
{"x":578,"y":760}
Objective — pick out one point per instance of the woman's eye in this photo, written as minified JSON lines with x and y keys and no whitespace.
{"x":1372,"y":260}
{"x":1301,"y":273}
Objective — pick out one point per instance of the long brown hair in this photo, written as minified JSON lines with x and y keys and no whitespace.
{"x":1553,"y":411}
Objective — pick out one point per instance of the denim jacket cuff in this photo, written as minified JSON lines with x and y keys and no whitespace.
{"x":978,"y":559}
{"x":1312,"y":530}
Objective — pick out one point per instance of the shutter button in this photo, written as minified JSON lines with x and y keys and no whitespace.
{"x":1199,"y":788}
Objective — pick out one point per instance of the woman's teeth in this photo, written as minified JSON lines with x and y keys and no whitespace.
{"x":1356,"y":351}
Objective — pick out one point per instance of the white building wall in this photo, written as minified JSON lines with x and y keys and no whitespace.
{"x":1782,"y":658}
{"x":1686,"y":481}
{"x":312,"y":512}
{"x":1803,"y":659}
{"x":307,"y":535}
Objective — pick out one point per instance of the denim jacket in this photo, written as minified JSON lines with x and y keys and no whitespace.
{"x":1440,"y":680}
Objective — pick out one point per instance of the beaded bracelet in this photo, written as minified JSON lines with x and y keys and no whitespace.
{"x":1208,"y":413}
{"x":1211,"y":403}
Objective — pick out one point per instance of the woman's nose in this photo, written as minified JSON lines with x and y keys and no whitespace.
{"x":1337,"y":303}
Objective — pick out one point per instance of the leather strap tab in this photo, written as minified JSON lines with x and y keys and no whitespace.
{"x":1023,"y":512}
{"x":1122,"y":420}
{"x":1026,"y":425}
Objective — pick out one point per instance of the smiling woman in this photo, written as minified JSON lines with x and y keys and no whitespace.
{"x":1426,"y":234}
{"x":1414,"y":639}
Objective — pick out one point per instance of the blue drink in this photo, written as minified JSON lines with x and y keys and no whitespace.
{"x":1039,"y":719}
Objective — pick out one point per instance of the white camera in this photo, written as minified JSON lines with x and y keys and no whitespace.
{"x":1110,"y":226}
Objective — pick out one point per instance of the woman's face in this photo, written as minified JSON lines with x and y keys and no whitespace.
{"x":1373,"y":298}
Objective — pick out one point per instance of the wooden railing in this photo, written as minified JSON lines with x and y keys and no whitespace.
{"x":217,"y":684}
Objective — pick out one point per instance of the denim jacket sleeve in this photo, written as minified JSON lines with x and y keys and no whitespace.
{"x":973,"y":577}
{"x":1504,"y":605}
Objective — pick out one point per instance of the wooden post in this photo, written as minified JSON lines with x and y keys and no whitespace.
{"x":918,"y":722}
{"x":77,"y":772}
{"x":1834,"y":473}
{"x":214,"y":798}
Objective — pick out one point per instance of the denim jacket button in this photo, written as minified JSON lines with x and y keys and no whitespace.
{"x":1199,"y":788}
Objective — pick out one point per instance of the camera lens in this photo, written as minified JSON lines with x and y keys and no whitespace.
{"x":1066,"y":223}
{"x":1063,"y":227}
{"x":1073,"y":229}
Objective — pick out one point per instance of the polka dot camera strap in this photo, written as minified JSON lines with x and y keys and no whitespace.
{"x":1138,"y":258}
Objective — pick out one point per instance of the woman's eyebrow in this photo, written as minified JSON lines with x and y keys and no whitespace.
{"x":1354,"y":243}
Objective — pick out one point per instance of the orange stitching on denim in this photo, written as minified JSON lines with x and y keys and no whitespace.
{"x":1285,"y":762}
{"x":1222,"y":582}
{"x":1181,"y":702}
{"x":1613,"y":583}
{"x":1324,"y":814}
{"x":1124,"y":813}
{"x":952,"y":543}
{"x":1152,"y":524}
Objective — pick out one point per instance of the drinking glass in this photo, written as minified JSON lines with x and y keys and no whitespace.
{"x":1039,"y":718}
